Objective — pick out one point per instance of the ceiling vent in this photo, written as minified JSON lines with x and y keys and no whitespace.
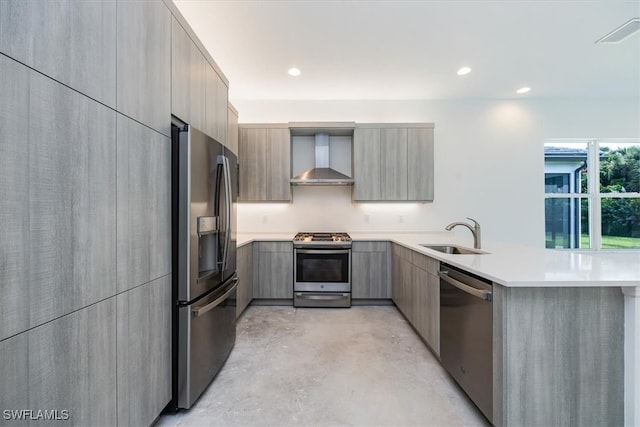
{"x":621,"y":33}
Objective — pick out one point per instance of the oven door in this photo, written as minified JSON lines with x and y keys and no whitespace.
{"x":322,"y":270}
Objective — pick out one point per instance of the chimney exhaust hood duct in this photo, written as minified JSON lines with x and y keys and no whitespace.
{"x":322,"y":174}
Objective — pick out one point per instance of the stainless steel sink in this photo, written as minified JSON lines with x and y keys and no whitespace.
{"x":454,"y":249}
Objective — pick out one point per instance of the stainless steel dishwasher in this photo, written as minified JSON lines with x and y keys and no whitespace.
{"x":466,"y":332}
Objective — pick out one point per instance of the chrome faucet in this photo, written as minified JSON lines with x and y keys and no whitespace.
{"x":475,"y":230}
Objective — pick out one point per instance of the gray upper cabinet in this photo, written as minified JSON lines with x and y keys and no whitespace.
{"x":273,"y":275}
{"x":216,"y":106}
{"x":189,"y":71}
{"x":366,"y":164}
{"x":264,"y":156}
{"x":72,"y":42}
{"x":393,"y":162}
{"x":199,"y":92}
{"x":232,"y":134}
{"x":370,"y":270}
{"x":144,"y":63}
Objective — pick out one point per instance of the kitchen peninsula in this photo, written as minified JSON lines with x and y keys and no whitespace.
{"x":565,"y":344}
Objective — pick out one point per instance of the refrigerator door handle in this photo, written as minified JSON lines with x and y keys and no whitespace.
{"x":228,"y":201}
{"x":216,"y":207}
{"x":197,"y":312}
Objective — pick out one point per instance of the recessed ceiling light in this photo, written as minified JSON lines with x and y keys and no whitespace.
{"x":294,"y":71}
{"x":621,"y":33}
{"x":464,"y":70}
{"x":523,"y":90}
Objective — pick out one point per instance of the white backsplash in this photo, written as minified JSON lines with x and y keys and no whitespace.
{"x":329,"y":208}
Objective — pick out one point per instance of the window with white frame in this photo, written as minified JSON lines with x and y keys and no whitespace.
{"x":592,"y":193}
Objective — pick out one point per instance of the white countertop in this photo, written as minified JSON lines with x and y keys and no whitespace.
{"x":511,"y":265}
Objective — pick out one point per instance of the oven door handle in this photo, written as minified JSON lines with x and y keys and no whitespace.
{"x":323,"y":251}
{"x":322,"y":297}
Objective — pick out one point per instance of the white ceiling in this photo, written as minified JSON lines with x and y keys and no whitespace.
{"x":412,"y":49}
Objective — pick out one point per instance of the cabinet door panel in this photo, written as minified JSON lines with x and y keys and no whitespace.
{"x":232,"y":133}
{"x":144,"y":352}
{"x":366,"y":164}
{"x":188,"y":79}
{"x":393,"y":158}
{"x":73,"y":42}
{"x":431,"y":265}
{"x":369,"y":273}
{"x":245,"y":276}
{"x":426,"y":307}
{"x":72,"y":198}
{"x":369,"y":246}
{"x":144,"y":63}
{"x":275,"y":276}
{"x":14,"y":197}
{"x":69,"y":363}
{"x":433,"y":312}
{"x":278,"y":165}
{"x":221,"y":106}
{"x":144,"y":204}
{"x":253,"y":166}
{"x":276,"y":247}
{"x":216,"y":106}
{"x":420,"y":164}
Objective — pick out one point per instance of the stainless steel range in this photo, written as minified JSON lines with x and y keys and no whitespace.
{"x":322,"y":270}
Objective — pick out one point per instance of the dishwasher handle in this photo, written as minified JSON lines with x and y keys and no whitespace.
{"x":478,"y":293}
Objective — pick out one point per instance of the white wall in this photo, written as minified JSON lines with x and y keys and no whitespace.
{"x":488,"y":163}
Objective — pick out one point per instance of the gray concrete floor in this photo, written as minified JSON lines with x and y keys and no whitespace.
{"x":362,"y":366}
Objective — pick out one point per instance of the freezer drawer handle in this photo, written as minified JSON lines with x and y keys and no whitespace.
{"x":197,"y":312}
{"x":479,"y":293}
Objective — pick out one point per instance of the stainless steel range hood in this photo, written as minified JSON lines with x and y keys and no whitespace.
{"x":322,"y":174}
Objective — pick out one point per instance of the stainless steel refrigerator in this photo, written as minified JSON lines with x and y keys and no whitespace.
{"x":204,"y":194}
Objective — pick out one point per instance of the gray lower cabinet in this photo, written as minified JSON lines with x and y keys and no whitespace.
{"x":264,"y":157}
{"x":144,"y":204}
{"x":273,"y":274}
{"x":54,"y":37}
{"x":245,"y":277}
{"x":416,"y":292}
{"x":144,"y":63}
{"x":68,"y":364}
{"x":58,"y":197}
{"x":558,"y":356}
{"x":401,"y":283}
{"x":393,"y":162}
{"x":144,"y":352}
{"x":370,"y":270}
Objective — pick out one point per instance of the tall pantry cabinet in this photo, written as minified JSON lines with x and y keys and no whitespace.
{"x":85,"y":150}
